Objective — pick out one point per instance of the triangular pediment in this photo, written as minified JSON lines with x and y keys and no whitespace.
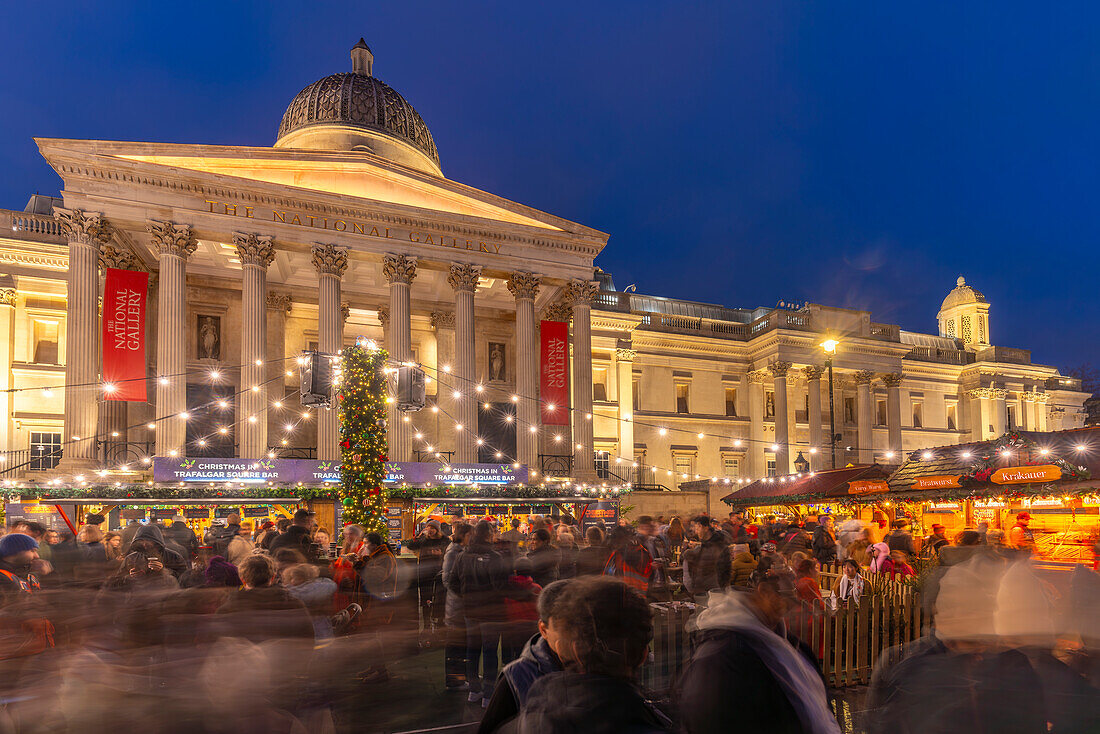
{"x":360,"y":176}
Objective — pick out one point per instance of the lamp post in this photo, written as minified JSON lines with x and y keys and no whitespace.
{"x":801,"y":465}
{"x":830,"y":345}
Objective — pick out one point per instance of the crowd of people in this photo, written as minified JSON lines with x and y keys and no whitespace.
{"x":544,"y":627}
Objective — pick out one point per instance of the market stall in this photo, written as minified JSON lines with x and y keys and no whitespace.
{"x":814,"y":493}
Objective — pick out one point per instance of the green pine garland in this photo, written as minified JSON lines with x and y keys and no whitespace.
{"x":362,"y":405}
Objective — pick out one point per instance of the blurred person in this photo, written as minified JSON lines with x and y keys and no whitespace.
{"x":901,"y":564}
{"x":742,"y":566}
{"x":796,"y":540}
{"x":128,"y":534}
{"x":380,"y":587}
{"x":322,"y":539}
{"x":429,"y":547}
{"x":567,"y":548}
{"x":707,"y":560}
{"x":219,"y":538}
{"x":239,"y":546}
{"x":983,"y":529}
{"x":537,"y":659}
{"x":900,"y":539}
{"x":823,"y":544}
{"x":995,"y":538}
{"x":478,"y":577}
{"x":742,"y":646}
{"x":453,"y":617}
{"x":968,"y":538}
{"x":659,"y":555}
{"x":297,"y":535}
{"x":935,"y":541}
{"x":521,"y":595}
{"x":220,"y":573}
{"x":284,"y":559}
{"x":545,"y":558}
{"x":674,"y":536}
{"x":1021,"y":536}
{"x":592,"y":559}
{"x":345,"y":568}
{"x":183,"y":536}
{"x":806,"y":586}
{"x":149,"y":542}
{"x":90,"y":540}
{"x":847,"y":531}
{"x":262,"y":610}
{"x":607,"y":627}
{"x":265,"y":533}
{"x":859,"y":549}
{"x":571,"y":523}
{"x":880,"y":559}
{"x":112,"y":546}
{"x":514,"y":535}
{"x":304,"y":582}
{"x":629,"y":561}
{"x":18,"y":551}
{"x":142,"y":572}
{"x":849,"y":586}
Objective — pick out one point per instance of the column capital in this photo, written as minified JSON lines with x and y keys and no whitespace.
{"x":813,"y":372}
{"x":443,"y":320}
{"x":279,"y":301}
{"x":892,"y":379}
{"x":329,"y":259}
{"x":758,"y":377}
{"x":864,"y":377}
{"x":1040,"y":397}
{"x":254,"y":249}
{"x":399,"y":268}
{"x":998,"y":393}
{"x":779,"y":369}
{"x":524,"y":285}
{"x":87,"y":228}
{"x":581,"y":292}
{"x":172,"y":239}
{"x":384,"y":316}
{"x":559,"y":311}
{"x":114,"y":257}
{"x":980,"y":392}
{"x":625,"y":355}
{"x":345,"y":312}
{"x":463,"y":277}
{"x":7,"y":296}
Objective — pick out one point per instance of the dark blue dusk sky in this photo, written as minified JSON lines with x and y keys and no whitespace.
{"x":857,"y":154}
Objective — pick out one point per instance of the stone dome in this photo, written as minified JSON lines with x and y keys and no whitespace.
{"x":962,"y":294}
{"x":356,"y":111}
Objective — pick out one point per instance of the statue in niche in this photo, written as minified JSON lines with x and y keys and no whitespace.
{"x":209,"y":337}
{"x":497,"y":365}
{"x":769,"y":405}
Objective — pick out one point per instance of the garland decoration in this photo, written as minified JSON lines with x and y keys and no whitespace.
{"x":145,"y":492}
{"x":361,"y":400}
{"x":502,"y":492}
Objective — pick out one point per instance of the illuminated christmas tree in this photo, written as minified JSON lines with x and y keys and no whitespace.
{"x":362,"y":404}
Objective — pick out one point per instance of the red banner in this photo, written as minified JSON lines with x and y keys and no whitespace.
{"x":554,"y":374}
{"x":124,"y":334}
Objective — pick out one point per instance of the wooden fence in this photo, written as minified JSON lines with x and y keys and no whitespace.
{"x":848,"y":640}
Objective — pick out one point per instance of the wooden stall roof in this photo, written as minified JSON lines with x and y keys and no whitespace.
{"x":812,"y":487}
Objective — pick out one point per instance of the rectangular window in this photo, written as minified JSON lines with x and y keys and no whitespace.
{"x":769,"y":462}
{"x":599,"y":385}
{"x":731,"y":467}
{"x":918,"y":415}
{"x":881,"y":412}
{"x":682,"y":397}
{"x":731,"y":401}
{"x":45,"y":342}
{"x":1011,"y":417}
{"x":45,"y":450}
{"x":603,"y":464}
{"x":684,"y":465}
{"x":952,"y":420}
{"x":636,"y":394}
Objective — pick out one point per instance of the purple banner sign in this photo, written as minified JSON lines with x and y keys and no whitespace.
{"x":310,"y":472}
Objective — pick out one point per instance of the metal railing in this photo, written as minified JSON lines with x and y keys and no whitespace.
{"x":433,"y":456}
{"x":556,"y":465}
{"x":294,"y":452}
{"x":118,"y":453}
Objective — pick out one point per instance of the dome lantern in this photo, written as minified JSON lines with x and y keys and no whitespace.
{"x":964,"y":315}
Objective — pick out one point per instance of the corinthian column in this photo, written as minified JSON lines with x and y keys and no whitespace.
{"x":400,"y":271}
{"x":813,"y":386}
{"x":863,"y":412}
{"x":525,"y":287}
{"x":463,"y":279}
{"x":581,"y":293}
{"x":256,"y":253}
{"x":175,"y":243}
{"x":331,"y":262}
{"x":779,"y":383}
{"x":444,"y":324}
{"x":893,"y":411}
{"x":1000,"y":412}
{"x":86,"y":232}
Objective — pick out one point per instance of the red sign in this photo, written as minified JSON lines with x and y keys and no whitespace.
{"x":554,"y":374}
{"x":124,"y":334}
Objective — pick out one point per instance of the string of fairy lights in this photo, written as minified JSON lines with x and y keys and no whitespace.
{"x":458,"y":388}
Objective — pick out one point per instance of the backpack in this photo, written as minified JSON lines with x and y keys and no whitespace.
{"x":481,"y":574}
{"x":222,"y":541}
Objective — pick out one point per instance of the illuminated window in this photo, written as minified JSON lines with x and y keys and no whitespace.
{"x":45,"y":342}
{"x":769,"y":462}
{"x":951,"y":327}
{"x":967,"y":333}
{"x":684,"y":464}
{"x":881,"y":412}
{"x":682,"y":397}
{"x":731,"y":401}
{"x":45,"y":450}
{"x":731,"y":467}
{"x":918,"y":415}
{"x":952,"y":420}
{"x":636,"y":394}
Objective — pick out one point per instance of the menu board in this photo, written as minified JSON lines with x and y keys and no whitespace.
{"x":256,"y":511}
{"x":224,"y":512}
{"x":196,"y":513}
{"x":160,"y":513}
{"x":132,"y":513}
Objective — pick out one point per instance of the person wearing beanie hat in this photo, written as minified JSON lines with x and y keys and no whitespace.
{"x":220,"y":572}
{"x":17,"y":553}
{"x":1021,"y":535}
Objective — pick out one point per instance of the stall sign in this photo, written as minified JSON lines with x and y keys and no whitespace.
{"x":1026,"y":474}
{"x":943,"y":506}
{"x":1047,"y":502}
{"x":434,"y":473}
{"x":988,"y":504}
{"x":224,"y":512}
{"x":452,"y":510}
{"x":45,"y":514}
{"x":308,"y":471}
{"x":128,"y":513}
{"x":160,"y":513}
{"x":167,"y":469}
{"x":394,"y":511}
{"x":256,"y":511}
{"x":868,"y":486}
{"x":196,"y":513}
{"x":592,"y":513}
{"x":936,"y":481}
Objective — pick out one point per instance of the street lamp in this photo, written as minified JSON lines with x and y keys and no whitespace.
{"x":830,"y":345}
{"x":800,"y":464}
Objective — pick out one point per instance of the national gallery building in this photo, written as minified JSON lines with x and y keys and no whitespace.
{"x":346,"y":227}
